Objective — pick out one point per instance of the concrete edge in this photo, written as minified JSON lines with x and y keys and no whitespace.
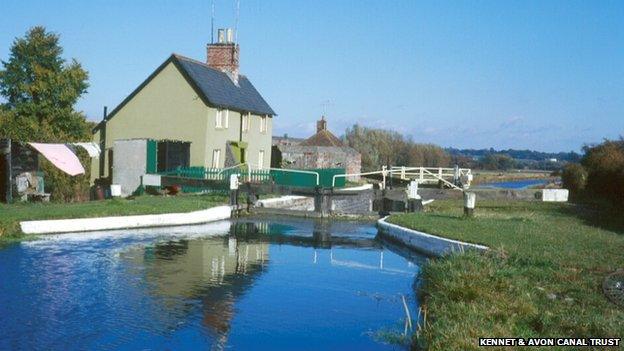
{"x":125,"y":222}
{"x":429,"y":244}
{"x":280,"y":200}
{"x":358,"y":188}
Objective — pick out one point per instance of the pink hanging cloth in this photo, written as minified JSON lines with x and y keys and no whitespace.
{"x":60,"y":156}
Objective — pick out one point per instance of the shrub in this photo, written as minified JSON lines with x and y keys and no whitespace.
{"x":65,"y":188}
{"x":605,"y":169}
{"x":574,"y":178}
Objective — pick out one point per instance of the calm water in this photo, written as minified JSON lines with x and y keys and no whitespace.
{"x":516,"y":184}
{"x":252,"y":284}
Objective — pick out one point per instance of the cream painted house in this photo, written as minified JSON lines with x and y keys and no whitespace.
{"x":201,"y":114}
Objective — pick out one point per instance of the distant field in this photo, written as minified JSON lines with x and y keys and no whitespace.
{"x":482,"y":177}
{"x":542,"y":277}
{"x":12,"y":214}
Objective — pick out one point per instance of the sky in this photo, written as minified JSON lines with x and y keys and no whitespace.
{"x":542,"y":75}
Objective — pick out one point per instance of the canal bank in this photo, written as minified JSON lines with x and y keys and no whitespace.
{"x":542,"y":276}
{"x":13,"y":214}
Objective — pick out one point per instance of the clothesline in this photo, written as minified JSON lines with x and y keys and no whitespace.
{"x":64,"y":158}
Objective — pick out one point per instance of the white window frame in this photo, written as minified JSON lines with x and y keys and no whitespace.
{"x":261,"y":159}
{"x":245,"y":122}
{"x":216,"y":158}
{"x":264,"y":124}
{"x":222,"y":119}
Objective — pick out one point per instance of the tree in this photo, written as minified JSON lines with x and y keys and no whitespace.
{"x":380,"y":147}
{"x":41,"y":89}
{"x":605,"y":169}
{"x":498,"y":162}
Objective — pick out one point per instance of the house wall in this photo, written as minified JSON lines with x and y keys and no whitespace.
{"x":216,"y":138}
{"x":259,"y":141}
{"x":166,"y":108}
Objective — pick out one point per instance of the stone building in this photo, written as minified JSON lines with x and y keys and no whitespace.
{"x":322,"y":150}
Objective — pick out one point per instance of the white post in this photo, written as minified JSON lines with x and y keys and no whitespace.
{"x":469,"y":203}
{"x":383,"y":173}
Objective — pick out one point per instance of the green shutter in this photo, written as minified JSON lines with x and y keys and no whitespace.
{"x":151,"y":164}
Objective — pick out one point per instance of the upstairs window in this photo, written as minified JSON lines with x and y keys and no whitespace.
{"x":263,"y":124}
{"x":222,"y":120}
{"x":246,"y":119}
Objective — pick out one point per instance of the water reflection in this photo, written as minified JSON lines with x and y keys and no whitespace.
{"x":267,"y":283}
{"x":218,"y":271}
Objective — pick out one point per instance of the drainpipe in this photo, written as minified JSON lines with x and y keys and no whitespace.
{"x":103,"y":143}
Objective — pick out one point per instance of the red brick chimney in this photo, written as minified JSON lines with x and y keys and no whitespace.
{"x":223,"y":55}
{"x":321,"y":124}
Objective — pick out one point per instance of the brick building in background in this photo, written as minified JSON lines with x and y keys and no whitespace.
{"x":322,"y":150}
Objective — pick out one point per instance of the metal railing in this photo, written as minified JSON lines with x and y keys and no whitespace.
{"x":250,"y":165}
{"x":420,"y":174}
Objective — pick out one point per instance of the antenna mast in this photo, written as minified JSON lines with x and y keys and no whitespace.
{"x":236,"y":25}
{"x":212,"y":24}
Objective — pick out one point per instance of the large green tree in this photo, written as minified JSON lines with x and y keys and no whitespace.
{"x":41,"y":89}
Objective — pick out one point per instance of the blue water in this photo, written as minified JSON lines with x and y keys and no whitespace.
{"x":262,"y":284}
{"x":516,"y":184}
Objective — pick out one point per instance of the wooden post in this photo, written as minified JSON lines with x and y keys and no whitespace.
{"x":469,"y":203}
{"x":5,"y":154}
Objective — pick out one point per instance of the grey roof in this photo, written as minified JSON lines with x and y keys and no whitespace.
{"x":306,"y":149}
{"x":220,"y":90}
{"x":214,"y":87}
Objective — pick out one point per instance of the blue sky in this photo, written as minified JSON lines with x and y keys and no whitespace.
{"x":544,"y":75}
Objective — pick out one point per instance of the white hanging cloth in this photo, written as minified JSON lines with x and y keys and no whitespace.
{"x":92,"y":149}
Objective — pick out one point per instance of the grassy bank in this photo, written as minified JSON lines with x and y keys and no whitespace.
{"x":542,"y":278}
{"x":11,"y":215}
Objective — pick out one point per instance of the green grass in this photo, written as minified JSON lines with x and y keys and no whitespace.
{"x":542,"y":278}
{"x":11,"y":215}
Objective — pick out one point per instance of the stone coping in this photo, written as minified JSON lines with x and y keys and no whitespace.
{"x":125,"y":222}
{"x":428,"y":244}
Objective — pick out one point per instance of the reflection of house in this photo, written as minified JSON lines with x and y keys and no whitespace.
{"x":215,"y":115}
{"x":322,"y":150}
{"x":215,"y":270}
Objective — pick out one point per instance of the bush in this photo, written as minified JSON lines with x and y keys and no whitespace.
{"x":574,"y":178}
{"x":63,"y":187}
{"x":605,"y":169}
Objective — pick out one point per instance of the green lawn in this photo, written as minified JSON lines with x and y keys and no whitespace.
{"x":11,"y":215}
{"x":542,"y":278}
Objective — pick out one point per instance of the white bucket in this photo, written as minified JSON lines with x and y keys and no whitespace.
{"x":115,"y":190}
